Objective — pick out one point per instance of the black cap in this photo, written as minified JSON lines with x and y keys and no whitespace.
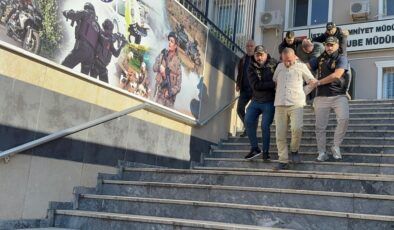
{"x":331,"y":40}
{"x":172,"y":34}
{"x":260,"y":49}
{"x":290,"y":34}
{"x":330,"y":26}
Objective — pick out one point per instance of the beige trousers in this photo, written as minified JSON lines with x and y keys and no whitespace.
{"x":322,"y":107}
{"x":283,"y":116}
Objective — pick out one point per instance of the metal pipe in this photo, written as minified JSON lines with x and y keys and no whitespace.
{"x":69,"y":131}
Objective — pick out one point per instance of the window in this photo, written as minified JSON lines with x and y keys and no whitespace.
{"x":386,"y":8}
{"x":388,"y":83}
{"x":385,"y":81}
{"x":308,"y":12}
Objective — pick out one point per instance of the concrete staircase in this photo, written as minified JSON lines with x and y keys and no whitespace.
{"x":227,"y":192}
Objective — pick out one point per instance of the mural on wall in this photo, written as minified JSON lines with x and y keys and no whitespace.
{"x":154,"y":50}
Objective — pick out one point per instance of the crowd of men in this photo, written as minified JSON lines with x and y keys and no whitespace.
{"x":278,"y":91}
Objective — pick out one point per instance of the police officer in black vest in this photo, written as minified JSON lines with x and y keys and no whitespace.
{"x":87,"y":33}
{"x":104,"y":51}
{"x":332,"y":85}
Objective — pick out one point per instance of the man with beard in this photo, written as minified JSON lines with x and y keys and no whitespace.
{"x":332,"y":84}
{"x":260,"y":73}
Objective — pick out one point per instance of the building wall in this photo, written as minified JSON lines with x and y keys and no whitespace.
{"x":363,"y":62}
{"x":39,"y":98}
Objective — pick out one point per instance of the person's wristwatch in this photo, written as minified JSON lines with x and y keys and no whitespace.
{"x":318,"y":83}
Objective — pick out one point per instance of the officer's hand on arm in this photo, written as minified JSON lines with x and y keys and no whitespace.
{"x":332,"y":77}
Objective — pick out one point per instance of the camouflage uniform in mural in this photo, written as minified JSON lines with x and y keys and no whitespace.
{"x":168,"y":82}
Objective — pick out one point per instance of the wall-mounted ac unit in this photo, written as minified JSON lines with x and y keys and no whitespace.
{"x":271,"y":19}
{"x":359,"y":10}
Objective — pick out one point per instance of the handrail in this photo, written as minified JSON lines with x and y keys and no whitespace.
{"x":62,"y":133}
{"x":219,"y":111}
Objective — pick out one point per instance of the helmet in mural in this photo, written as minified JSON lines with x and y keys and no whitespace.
{"x":172,"y":34}
{"x":108,"y":25}
{"x":89,"y":6}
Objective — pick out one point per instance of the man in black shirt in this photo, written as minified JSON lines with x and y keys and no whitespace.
{"x":290,"y":41}
{"x":339,"y":33}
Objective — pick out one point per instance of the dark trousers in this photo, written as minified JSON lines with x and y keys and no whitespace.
{"x":253,"y":112}
{"x":99,"y":70}
{"x":82,"y":53}
{"x":243,"y":100}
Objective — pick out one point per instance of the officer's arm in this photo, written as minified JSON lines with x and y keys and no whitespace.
{"x":74,"y":15}
{"x":332,"y":77}
{"x":321,"y":38}
{"x":260,"y":84}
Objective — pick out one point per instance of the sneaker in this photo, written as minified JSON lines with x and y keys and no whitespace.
{"x":244,"y":134}
{"x":254,"y":152}
{"x":336,"y":153}
{"x":266,"y":156}
{"x":322,"y":156}
{"x":281,"y":166}
{"x":295,"y":157}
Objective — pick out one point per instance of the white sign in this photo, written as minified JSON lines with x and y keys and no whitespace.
{"x":363,"y":36}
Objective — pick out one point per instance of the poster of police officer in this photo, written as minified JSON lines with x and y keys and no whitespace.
{"x":153,"y":49}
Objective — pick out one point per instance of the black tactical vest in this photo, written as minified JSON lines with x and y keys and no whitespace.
{"x":88,"y":29}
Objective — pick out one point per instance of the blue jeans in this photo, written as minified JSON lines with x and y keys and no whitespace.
{"x":243,"y":100}
{"x":251,"y":118}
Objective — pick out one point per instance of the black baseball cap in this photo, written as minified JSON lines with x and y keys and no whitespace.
{"x":330,"y":26}
{"x":260,"y":49}
{"x":331,"y":40}
{"x":290,"y":35}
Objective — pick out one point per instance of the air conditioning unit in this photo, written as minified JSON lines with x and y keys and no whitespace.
{"x":359,"y":10}
{"x":271,"y":19}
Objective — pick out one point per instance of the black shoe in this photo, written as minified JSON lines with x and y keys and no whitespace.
{"x":244,"y":134}
{"x":281,"y":166}
{"x":266,"y":156}
{"x":295,"y":157}
{"x":254,"y":152}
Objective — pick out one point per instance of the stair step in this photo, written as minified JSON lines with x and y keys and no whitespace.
{"x":346,"y":167}
{"x":319,"y":181}
{"x":311,"y":156}
{"x":330,"y":133}
{"x":329,"y":201}
{"x":312,"y":139}
{"x":304,"y":147}
{"x":228,"y":212}
{"x":90,"y":220}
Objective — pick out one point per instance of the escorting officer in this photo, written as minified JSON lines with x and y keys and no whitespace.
{"x":339,"y":33}
{"x":290,"y":41}
{"x":260,"y":74}
{"x":104,"y":51}
{"x":289,"y":105}
{"x":332,"y":84}
{"x":243,"y":85}
{"x":169,"y":73}
{"x":87,"y":34}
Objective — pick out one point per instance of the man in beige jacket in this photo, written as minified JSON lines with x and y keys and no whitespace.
{"x":289,"y":105}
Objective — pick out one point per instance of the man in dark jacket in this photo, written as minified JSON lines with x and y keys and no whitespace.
{"x":243,"y":85}
{"x":339,"y":33}
{"x":260,"y":75}
{"x":290,"y":41}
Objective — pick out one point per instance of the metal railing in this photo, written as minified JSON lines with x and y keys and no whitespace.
{"x":66,"y":132}
{"x":224,"y":38}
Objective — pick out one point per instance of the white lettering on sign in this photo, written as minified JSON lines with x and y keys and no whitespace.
{"x":362,"y":36}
